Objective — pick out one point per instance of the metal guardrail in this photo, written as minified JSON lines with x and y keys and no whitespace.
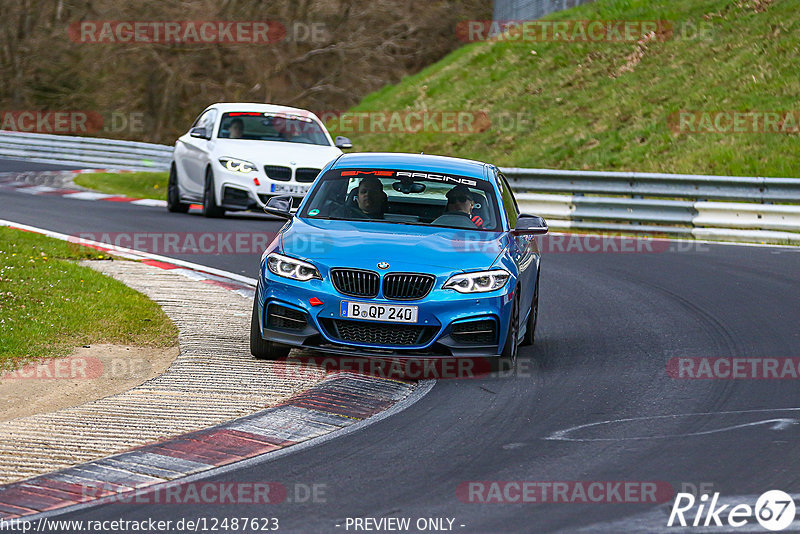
{"x":689,"y":186}
{"x":735,"y":208}
{"x":89,"y":152}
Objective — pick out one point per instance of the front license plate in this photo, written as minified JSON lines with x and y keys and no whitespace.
{"x":379,"y":312}
{"x":289,"y":188}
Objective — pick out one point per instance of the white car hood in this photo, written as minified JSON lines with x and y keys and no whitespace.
{"x":275,"y":152}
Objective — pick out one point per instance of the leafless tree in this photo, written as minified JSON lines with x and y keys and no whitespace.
{"x":358,"y":46}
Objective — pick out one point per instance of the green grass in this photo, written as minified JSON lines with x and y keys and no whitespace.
{"x":49,"y":304}
{"x":579,"y":110}
{"x":129,"y":184}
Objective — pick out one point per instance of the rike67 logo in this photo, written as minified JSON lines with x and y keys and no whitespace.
{"x":773,"y":510}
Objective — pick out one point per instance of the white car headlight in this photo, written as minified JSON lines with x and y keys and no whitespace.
{"x":291,"y":268}
{"x":237,"y":165}
{"x":480,"y":282}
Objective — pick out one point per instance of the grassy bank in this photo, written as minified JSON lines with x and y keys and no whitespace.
{"x":129,"y":184}
{"x":49,"y":304}
{"x":607,"y":105}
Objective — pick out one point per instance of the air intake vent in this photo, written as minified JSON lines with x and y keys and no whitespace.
{"x":355,"y":282}
{"x":483,"y":332}
{"x":407,"y":286}
{"x":378,"y":333}
{"x":283,"y":318}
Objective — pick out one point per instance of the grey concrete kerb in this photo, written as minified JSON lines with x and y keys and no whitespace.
{"x":213,"y":380}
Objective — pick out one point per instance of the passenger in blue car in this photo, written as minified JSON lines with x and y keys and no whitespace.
{"x":370,"y":201}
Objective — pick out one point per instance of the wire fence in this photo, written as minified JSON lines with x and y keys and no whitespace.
{"x":531,"y":9}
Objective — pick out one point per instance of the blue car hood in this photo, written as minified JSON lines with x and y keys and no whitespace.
{"x":404,"y":247}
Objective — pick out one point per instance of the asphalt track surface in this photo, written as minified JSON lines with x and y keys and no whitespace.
{"x":609,"y":323}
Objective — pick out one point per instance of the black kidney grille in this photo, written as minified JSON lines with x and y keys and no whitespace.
{"x":355,"y":282}
{"x":380,"y":333}
{"x":276,"y":172}
{"x":304,"y":174}
{"x":407,"y":286}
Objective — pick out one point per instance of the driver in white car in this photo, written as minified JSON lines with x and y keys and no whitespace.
{"x":236,"y":129}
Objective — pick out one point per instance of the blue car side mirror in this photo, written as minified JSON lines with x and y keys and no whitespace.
{"x":530,"y":225}
{"x":279,"y":206}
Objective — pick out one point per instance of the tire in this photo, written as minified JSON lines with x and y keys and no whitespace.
{"x":210,"y":208}
{"x":530,"y":326}
{"x":508,"y":359}
{"x":174,"y":204}
{"x":261,"y":348}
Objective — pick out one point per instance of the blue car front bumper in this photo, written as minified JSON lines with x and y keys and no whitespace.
{"x":449,"y":324}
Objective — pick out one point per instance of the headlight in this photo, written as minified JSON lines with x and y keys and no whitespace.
{"x":291,"y":268}
{"x":237,"y":165}
{"x":480,"y":282}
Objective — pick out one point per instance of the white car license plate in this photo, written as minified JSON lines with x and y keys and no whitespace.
{"x":379,"y":312}
{"x":290,"y":188}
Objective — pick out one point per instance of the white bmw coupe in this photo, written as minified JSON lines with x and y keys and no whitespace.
{"x":236,"y":156}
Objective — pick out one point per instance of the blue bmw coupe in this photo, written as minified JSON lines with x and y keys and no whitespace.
{"x":400,"y":255}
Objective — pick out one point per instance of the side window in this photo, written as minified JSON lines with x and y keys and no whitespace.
{"x":509,"y":202}
{"x":208,"y":120}
{"x":196,"y":122}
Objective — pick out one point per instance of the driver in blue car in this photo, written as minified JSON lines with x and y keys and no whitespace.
{"x":370,"y":201}
{"x":460,"y":200}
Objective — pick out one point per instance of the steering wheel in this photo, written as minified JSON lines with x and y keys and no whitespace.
{"x":459,"y":219}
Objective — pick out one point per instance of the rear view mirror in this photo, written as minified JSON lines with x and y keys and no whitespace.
{"x":407,"y":187}
{"x":279,"y":206}
{"x":342,"y":142}
{"x":530,"y":225}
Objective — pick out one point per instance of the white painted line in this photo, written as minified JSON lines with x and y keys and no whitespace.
{"x":246,"y":293}
{"x":88,"y":195}
{"x":36,"y":189}
{"x":775,"y":424}
{"x":188,"y":273}
{"x":135,"y":254}
{"x":150,"y":202}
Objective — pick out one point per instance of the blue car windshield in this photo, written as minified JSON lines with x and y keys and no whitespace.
{"x":257,"y":126}
{"x":404,"y":197}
